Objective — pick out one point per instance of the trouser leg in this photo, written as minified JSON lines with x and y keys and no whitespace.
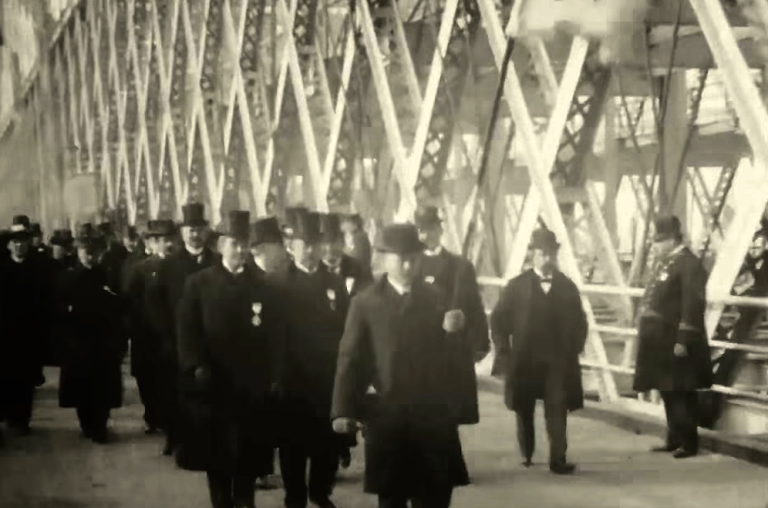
{"x":220,"y":490}
{"x":293,"y":469}
{"x":244,"y":491}
{"x":19,"y":409}
{"x":170,"y":401}
{"x":673,"y":439}
{"x":682,"y":418}
{"x":392,"y":502}
{"x":85,"y":417}
{"x":148,"y":393}
{"x":557,"y":425}
{"x":323,"y":466}
{"x":437,"y":499}
{"x":526,"y":433}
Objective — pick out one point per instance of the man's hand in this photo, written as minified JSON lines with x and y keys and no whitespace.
{"x":453,"y":321}
{"x":345,"y":426}
{"x":202,"y":376}
{"x":680,"y":350}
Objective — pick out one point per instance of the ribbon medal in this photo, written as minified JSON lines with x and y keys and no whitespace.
{"x":256,"y":319}
{"x":350,"y":282}
{"x":429,"y":279}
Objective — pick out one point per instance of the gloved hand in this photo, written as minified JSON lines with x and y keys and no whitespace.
{"x":202,"y":377}
{"x":453,"y":321}
{"x":345,"y":426}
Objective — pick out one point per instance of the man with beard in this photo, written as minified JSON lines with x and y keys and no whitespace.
{"x":94,"y":341}
{"x":455,"y":276}
{"x":673,"y":353}
{"x":23,"y":293}
{"x":231,"y":333}
{"x":318,"y":301}
{"x":152,"y":355}
{"x":539,"y":329}
{"x":173,"y":275}
{"x":394,"y":339}
{"x":268,"y":253}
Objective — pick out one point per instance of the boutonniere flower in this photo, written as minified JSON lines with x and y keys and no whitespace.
{"x":256,"y":319}
{"x":331,"y":298}
{"x":350,"y":283}
{"x":663,"y":276}
{"x":106,"y":288}
{"x":429,"y":279}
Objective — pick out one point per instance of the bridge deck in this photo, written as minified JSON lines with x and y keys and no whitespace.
{"x":55,"y":468}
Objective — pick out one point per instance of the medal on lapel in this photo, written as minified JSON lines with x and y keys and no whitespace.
{"x":350,"y":282}
{"x":663,"y":276}
{"x":256,"y":319}
{"x":429,"y":279}
{"x":331,"y":298}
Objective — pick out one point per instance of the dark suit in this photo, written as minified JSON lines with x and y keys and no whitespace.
{"x":232,"y":327}
{"x":397,"y":344}
{"x":538,"y":338}
{"x":455,"y":276}
{"x":673,"y":312}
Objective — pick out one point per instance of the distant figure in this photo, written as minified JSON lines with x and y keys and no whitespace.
{"x":356,"y":241}
{"x":540,"y":329}
{"x":673,"y":353}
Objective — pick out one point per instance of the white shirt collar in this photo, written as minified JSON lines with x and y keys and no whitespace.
{"x":541,"y":275}
{"x":258,"y":262}
{"x":18,"y":260}
{"x":304,"y":268}
{"x":401,"y":290}
{"x":194,"y":252}
{"x":230,"y":270}
{"x":435,"y":252}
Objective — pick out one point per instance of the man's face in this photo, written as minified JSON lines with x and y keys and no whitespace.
{"x":545,"y":260}
{"x":663,"y":247}
{"x":305,"y":253}
{"x":400,"y":267}
{"x":130,"y":243}
{"x":19,"y":248}
{"x":87,"y":255}
{"x":431,"y":236}
{"x":193,"y":236}
{"x":162,"y":245}
{"x":59,"y":252}
{"x":37,"y":241}
{"x":757,"y":249}
{"x":233,"y":251}
{"x":331,"y":252}
{"x":272,"y":256}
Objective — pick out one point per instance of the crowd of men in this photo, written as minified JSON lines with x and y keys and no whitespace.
{"x":274,"y":336}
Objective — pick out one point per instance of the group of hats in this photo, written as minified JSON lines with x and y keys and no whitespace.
{"x":300,"y":223}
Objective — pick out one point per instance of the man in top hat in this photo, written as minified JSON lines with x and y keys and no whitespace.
{"x":113,"y":257}
{"x":356,"y":242}
{"x":456,"y":277}
{"x":173,"y":275}
{"x":135,"y":251}
{"x":93,"y":340}
{"x":356,"y":275}
{"x":23,"y":296}
{"x":153,"y":353}
{"x":37,"y":247}
{"x":292,"y":216}
{"x":673,"y":354}
{"x":231,"y":334}
{"x":268,"y":252}
{"x":394,"y":340}
{"x":318,"y":302}
{"x":540,"y":329}
{"x":61,"y":248}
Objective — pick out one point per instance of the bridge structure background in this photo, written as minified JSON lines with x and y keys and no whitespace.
{"x":130,"y":108}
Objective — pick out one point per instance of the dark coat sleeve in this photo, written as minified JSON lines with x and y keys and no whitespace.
{"x":580,"y":324}
{"x":694,"y":299}
{"x":191,"y":344}
{"x":354,"y":366}
{"x":501,"y":328}
{"x":477,"y":322}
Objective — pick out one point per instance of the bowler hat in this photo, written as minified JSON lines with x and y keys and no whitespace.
{"x":306,"y":226}
{"x":161,"y":228}
{"x":193,"y":214}
{"x":399,"y":239}
{"x":427,"y":216}
{"x":666,"y":228}
{"x":236,"y":225}
{"x":88,"y":236}
{"x":35,"y":229}
{"x":330,"y":227}
{"x":266,"y":230}
{"x":62,"y":237}
{"x":20,"y":228}
{"x":544,"y":239}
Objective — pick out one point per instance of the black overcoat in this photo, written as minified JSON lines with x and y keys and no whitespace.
{"x":677,"y":294}
{"x":232,"y":326}
{"x":94,"y":340}
{"x":355,"y":274}
{"x":510,"y":324}
{"x":397,"y":344}
{"x":455,"y":276}
{"x":148,"y":318}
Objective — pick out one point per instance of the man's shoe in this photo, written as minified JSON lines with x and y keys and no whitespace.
{"x":100,"y":437}
{"x":682,"y":453}
{"x":527,"y":462}
{"x":562,"y":468}
{"x":325,"y":503}
{"x":151,"y":430}
{"x":265,"y":483}
{"x":168,"y":449}
{"x":667,"y":448}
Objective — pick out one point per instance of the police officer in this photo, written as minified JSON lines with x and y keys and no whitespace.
{"x":394,"y":339}
{"x":673,"y":354}
{"x":230,"y":338}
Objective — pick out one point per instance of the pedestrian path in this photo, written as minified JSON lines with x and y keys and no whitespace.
{"x":55,"y":468}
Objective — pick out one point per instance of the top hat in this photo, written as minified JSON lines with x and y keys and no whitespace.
{"x":306,"y":226}
{"x":20,"y":229}
{"x":161,"y":228}
{"x":544,"y":239}
{"x":399,"y":239}
{"x":236,"y":225}
{"x":427,"y":216}
{"x":104,"y":228}
{"x":330,"y":227}
{"x":62,"y":238}
{"x":666,"y":228}
{"x":193,"y":215}
{"x":292,"y":214}
{"x":88,"y":236}
{"x":35,"y":229}
{"x":266,"y":230}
